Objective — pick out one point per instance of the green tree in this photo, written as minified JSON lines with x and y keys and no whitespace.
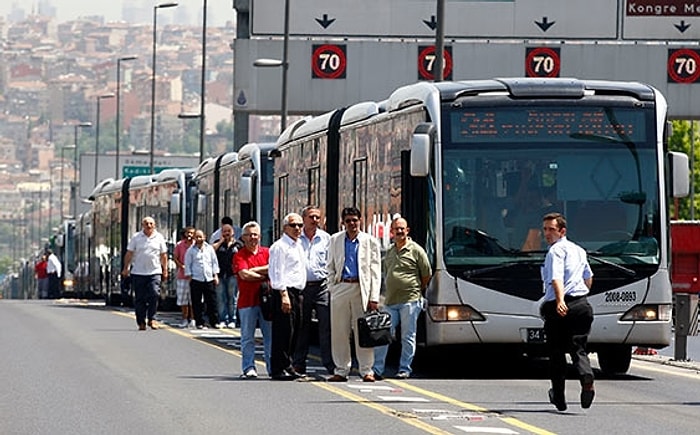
{"x":680,"y":141}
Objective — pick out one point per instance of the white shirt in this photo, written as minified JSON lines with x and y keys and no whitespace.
{"x":146,"y":251}
{"x":201,"y":264}
{"x":215,"y":236}
{"x":316,"y":255}
{"x":567,"y":262}
{"x":53,"y":265}
{"x":287,"y":266}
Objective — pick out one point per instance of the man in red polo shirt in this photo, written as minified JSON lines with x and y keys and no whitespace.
{"x":250,"y":265}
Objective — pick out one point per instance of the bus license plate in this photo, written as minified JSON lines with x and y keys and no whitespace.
{"x":535,"y":335}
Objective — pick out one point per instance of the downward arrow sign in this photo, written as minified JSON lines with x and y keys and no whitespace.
{"x":545,"y":24}
{"x":325,"y":22}
{"x":682,"y":27}
{"x":432,"y":23}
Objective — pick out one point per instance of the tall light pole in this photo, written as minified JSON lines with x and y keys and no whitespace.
{"x":97,"y":132}
{"x":153,"y":79}
{"x":284,"y":63}
{"x":116,"y":140}
{"x":439,"y":74}
{"x":77,"y":127}
{"x":63,"y":164}
{"x":203,"y":84}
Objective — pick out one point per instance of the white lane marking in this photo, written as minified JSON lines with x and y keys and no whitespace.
{"x":370,"y":387}
{"x":479,"y":429}
{"x":403,"y":399}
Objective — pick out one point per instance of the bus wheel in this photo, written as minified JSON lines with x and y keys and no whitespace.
{"x":615,"y":359}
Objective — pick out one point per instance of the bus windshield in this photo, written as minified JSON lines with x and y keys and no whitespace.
{"x":505,"y":167}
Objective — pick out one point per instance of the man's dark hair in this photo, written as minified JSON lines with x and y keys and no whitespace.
{"x":350,"y":211}
{"x":561,"y":220}
{"x":226,"y":220}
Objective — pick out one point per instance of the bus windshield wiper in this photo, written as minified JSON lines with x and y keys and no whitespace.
{"x":596,"y":256}
{"x":596,"y":138}
{"x":475,"y":272}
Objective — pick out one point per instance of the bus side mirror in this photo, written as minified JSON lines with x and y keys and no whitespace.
{"x":421,"y":143}
{"x":680,"y":174}
{"x":175,"y":204}
{"x":201,"y":203}
{"x":245,"y":194}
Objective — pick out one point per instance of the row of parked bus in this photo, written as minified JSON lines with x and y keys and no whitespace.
{"x":472,"y":166}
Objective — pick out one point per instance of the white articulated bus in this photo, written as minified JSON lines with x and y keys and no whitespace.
{"x":474,"y":166}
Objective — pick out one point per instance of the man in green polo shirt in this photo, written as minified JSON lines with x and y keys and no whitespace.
{"x":407,"y":275}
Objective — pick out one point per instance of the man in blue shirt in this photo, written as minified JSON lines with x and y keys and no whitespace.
{"x":354,"y":278}
{"x":568,"y":316}
{"x":315,"y":294}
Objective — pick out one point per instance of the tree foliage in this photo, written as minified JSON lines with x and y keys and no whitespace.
{"x":680,"y":140}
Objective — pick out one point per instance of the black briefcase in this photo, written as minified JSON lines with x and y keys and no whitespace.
{"x":374,"y":329}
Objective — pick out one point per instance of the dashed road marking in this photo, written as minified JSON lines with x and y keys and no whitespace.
{"x":403,"y":399}
{"x":481,"y":429}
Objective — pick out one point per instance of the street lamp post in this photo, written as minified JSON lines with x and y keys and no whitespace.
{"x":153,"y":79}
{"x":97,"y":132}
{"x":203,"y":82}
{"x":116,"y":140}
{"x":284,"y":63}
{"x":75,"y":165}
{"x":63,"y":164}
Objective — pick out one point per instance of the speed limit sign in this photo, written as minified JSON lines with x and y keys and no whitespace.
{"x":542,"y":62}
{"x":683,"y":65}
{"x":328,"y":61}
{"x":426,"y":62}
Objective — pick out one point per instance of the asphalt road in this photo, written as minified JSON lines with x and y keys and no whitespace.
{"x":69,"y":368}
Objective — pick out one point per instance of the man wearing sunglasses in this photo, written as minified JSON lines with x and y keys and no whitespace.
{"x":354,"y":269}
{"x":287,"y":272}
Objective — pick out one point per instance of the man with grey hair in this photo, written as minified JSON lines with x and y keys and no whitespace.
{"x":148,"y":252}
{"x":250,"y":265}
{"x":287,"y":272}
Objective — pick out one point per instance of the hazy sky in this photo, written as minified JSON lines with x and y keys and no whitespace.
{"x":220,"y":10}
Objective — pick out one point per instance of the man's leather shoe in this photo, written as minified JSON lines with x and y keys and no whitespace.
{"x":557,"y":400}
{"x":284,"y":376}
{"x":587,"y":395}
{"x":337,"y":378}
{"x":152,"y":324}
{"x":296,"y":373}
{"x":369,"y":377}
{"x":142,"y":327}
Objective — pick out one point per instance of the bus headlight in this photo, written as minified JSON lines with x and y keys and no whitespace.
{"x":68,"y":283}
{"x":648,"y":313}
{"x":454,"y":313}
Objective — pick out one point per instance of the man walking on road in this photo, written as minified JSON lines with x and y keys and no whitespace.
{"x":53,"y":270}
{"x":407,"y":275}
{"x":149,"y":253}
{"x":568,"y":316}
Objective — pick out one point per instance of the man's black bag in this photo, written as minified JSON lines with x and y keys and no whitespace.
{"x":266,"y":301}
{"x":374,"y":329}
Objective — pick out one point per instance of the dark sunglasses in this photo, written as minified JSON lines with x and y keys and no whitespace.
{"x":296,"y":225}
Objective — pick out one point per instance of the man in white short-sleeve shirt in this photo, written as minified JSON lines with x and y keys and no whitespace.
{"x":146,"y":261}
